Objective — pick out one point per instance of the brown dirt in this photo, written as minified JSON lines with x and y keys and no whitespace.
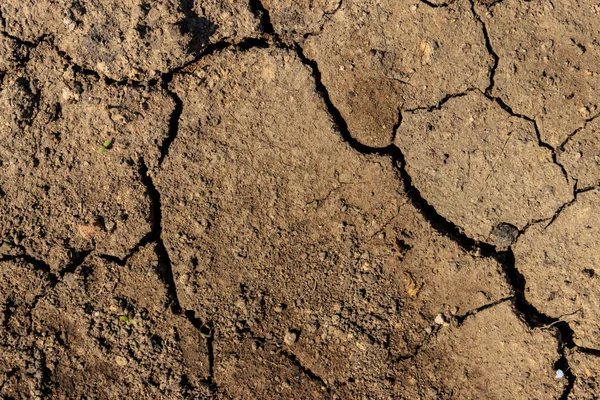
{"x":306,"y":200}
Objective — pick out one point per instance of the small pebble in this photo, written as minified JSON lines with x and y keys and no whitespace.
{"x":313,"y":326}
{"x":290,"y":338}
{"x":560,"y":374}
{"x":121,"y":361}
{"x":439,"y":319}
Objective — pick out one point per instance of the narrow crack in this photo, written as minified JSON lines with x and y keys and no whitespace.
{"x":488,"y":46}
{"x":311,"y":374}
{"x":173,"y":122}
{"x":587,"y":350}
{"x":262,"y":14}
{"x":45,"y":375}
{"x":164,"y":262}
{"x":461,"y":318}
{"x":434,"y":5}
{"x":329,"y":16}
{"x":563,"y":364}
{"x":77,"y":259}
{"x":541,"y":143}
{"x":17,"y":39}
{"x":536,"y":319}
{"x":439,"y":104}
{"x":576,"y":193}
{"x":561,"y":147}
{"x":37,"y":264}
{"x":288,"y":355}
{"x":208,"y":332}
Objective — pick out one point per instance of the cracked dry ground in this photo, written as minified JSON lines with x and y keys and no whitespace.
{"x":312,"y":200}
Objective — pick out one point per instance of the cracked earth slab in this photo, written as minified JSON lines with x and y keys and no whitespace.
{"x":103,"y":330}
{"x":481,"y":167}
{"x":378,"y":57}
{"x":341,"y":258}
{"x":560,"y":264}
{"x":55,"y":125}
{"x":498,"y":341}
{"x":252,"y":368}
{"x":129,"y":39}
{"x":550,"y":56}
{"x":580,"y":155}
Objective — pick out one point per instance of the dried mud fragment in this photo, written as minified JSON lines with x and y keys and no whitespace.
{"x":581,"y":156}
{"x":273,"y":223}
{"x":248,"y":369}
{"x":492,"y":355}
{"x":560,"y":264}
{"x":107,"y":332}
{"x":11,"y":54}
{"x":586,"y":368}
{"x":377,"y":57}
{"x":60,"y":194}
{"x":481,"y":168}
{"x":297,"y":18}
{"x":129,"y":39}
{"x":21,"y":285}
{"x":548,"y":61}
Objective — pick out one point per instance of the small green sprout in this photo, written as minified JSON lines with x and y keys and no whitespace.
{"x":107,"y":145}
{"x":125,"y":318}
{"x":10,"y":242}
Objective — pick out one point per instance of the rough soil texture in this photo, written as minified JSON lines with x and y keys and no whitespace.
{"x":309,"y":200}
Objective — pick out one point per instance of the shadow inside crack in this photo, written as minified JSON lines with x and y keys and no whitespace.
{"x":199,"y":29}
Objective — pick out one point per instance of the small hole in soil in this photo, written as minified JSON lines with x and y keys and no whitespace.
{"x":590,"y":273}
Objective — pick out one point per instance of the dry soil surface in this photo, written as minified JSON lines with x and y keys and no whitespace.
{"x":327,"y":199}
